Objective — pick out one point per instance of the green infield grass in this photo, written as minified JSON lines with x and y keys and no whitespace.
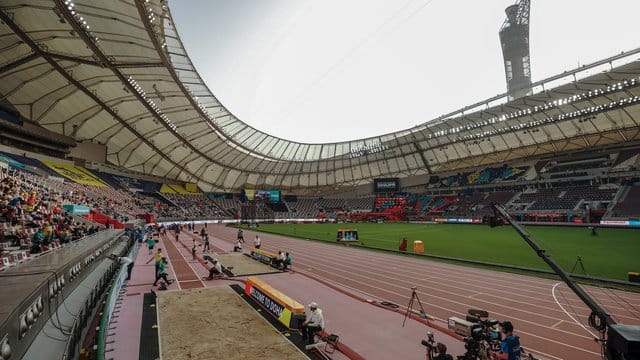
{"x":611,"y":254}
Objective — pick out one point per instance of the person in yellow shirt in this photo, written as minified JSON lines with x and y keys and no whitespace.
{"x":48,"y":232}
{"x":158,"y":258}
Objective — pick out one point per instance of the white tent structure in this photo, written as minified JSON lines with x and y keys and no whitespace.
{"x":116,"y":73}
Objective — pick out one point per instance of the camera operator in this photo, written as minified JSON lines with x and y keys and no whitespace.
{"x":441,"y":349}
{"x":510,"y":345}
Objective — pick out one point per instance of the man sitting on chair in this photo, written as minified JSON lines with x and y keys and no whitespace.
{"x":313,"y":324}
{"x":279,"y":261}
{"x":215,"y":271}
{"x":286,"y":264}
{"x":237,"y":247}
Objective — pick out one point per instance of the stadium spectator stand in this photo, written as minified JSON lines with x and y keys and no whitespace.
{"x":563,"y":198}
{"x":117,"y":198}
{"x":628,"y":160}
{"x":630,"y":204}
{"x":390,"y":203}
{"x":490,"y":175}
{"x":195,"y":206}
{"x":230,"y":206}
{"x":32,"y":219}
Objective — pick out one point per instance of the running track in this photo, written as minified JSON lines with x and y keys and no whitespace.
{"x":532,"y":304}
{"x":186,"y":275}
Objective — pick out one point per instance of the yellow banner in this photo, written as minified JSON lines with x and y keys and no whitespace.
{"x":177,"y":189}
{"x":75,"y":173}
{"x":167,"y":189}
{"x":191,"y":187}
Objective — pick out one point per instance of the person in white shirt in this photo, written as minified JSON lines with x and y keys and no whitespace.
{"x":215,"y":271}
{"x":257,"y":242}
{"x":123,"y":260}
{"x":278,"y":262}
{"x":313,"y":324}
{"x":237,"y":246}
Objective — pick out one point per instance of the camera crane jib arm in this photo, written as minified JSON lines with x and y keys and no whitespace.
{"x":605,"y":319}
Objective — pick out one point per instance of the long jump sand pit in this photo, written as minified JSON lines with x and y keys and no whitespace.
{"x":244,"y":265}
{"x":216,"y":323}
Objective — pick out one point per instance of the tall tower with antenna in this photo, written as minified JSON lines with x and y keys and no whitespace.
{"x":514,"y":38}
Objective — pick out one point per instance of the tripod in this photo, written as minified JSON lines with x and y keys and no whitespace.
{"x":579,"y":261}
{"x":414,"y":297}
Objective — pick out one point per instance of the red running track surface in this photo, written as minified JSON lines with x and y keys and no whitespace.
{"x":186,"y":275}
{"x":539,"y":308}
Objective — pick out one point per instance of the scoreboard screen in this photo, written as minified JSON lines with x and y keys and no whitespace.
{"x":386,"y":185}
{"x":262,"y":195}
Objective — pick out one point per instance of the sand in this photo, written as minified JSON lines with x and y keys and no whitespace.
{"x":244,"y":265}
{"x":216,"y":323}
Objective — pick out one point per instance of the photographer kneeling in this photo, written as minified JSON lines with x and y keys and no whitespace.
{"x":441,"y":349}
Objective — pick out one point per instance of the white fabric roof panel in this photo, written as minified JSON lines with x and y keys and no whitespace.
{"x":126,"y":81}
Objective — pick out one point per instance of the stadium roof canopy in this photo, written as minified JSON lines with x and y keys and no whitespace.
{"x":116,"y":73}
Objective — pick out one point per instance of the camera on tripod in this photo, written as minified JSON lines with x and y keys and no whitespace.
{"x":481,"y":333}
{"x":430,"y":342}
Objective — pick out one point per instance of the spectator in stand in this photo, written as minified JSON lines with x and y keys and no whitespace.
{"x":313,"y":324}
{"x":38,"y":237}
{"x":257,"y":242}
{"x":17,"y":201}
{"x":36,"y":242}
{"x":48,"y":233}
{"x":65,"y":235}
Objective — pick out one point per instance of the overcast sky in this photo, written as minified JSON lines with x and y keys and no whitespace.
{"x":332,"y":70}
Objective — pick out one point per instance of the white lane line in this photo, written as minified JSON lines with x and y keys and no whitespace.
{"x":553,"y":292}
{"x":544,"y":284}
{"x":576,"y":303}
{"x":192,"y":269}
{"x":175,"y":276}
{"x":306,"y":256}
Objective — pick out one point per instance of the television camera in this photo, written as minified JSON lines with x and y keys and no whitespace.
{"x":481,"y":334}
{"x":430,"y":344}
